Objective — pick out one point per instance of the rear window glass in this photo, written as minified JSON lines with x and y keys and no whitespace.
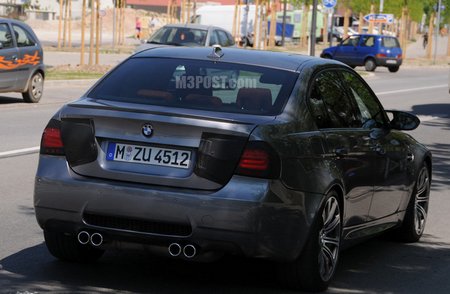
{"x":390,"y":42}
{"x":208,"y":85}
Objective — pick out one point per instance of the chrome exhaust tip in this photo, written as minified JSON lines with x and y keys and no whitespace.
{"x":174,"y":249}
{"x":189,"y":251}
{"x":96,"y":239}
{"x":83,"y":237}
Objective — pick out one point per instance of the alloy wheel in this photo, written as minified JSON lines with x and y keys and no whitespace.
{"x":37,"y":85}
{"x":329,"y":238}
{"x":421,"y":200}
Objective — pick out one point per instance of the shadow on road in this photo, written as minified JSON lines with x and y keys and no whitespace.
{"x":9,"y":100}
{"x":440,"y":151}
{"x":377,"y":266}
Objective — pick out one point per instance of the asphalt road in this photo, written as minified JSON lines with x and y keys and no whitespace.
{"x":376,"y":266}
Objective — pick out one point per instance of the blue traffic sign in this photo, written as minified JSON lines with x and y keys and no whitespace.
{"x":379,"y":18}
{"x":329,"y":3}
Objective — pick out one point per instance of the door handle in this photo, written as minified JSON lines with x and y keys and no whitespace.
{"x":341,"y":152}
{"x":410,"y":157}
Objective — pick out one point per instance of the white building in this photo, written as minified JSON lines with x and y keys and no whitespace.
{"x":45,"y":9}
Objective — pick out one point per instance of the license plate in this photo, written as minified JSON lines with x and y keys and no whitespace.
{"x":391,"y":61}
{"x":148,"y":155}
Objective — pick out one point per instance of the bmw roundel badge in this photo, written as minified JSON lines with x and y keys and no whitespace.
{"x":147,"y":130}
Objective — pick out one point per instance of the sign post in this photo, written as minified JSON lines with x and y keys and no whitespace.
{"x":329,"y":6}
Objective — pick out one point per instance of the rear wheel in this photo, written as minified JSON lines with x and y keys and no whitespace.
{"x":370,"y":64}
{"x":66,"y":247}
{"x":35,"y":89}
{"x":394,"y":68}
{"x":316,"y":265}
{"x":416,"y":212}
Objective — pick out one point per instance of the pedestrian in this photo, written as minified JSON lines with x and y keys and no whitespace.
{"x":138,"y":28}
{"x":425,"y":40}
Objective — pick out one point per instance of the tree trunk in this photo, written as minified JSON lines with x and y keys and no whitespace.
{"x":273,"y":24}
{"x":83,"y":28}
{"x":60,"y":23}
{"x":97,"y":32}
{"x":91,"y":37}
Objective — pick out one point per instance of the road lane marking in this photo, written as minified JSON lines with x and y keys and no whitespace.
{"x":411,"y":89}
{"x":19,"y":152}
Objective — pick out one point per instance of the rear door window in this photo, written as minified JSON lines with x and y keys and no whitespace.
{"x":197,"y":84}
{"x":23,"y":38}
{"x":6,"y":39}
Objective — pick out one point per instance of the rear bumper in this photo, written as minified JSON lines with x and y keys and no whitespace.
{"x":253,"y":217}
{"x":389,"y":62}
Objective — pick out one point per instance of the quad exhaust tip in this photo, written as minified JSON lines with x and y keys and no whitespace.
{"x":188,"y":251}
{"x":83,"y":237}
{"x":96,"y":239}
{"x":174,"y":249}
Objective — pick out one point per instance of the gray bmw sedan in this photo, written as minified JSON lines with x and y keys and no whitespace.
{"x":197,"y":153}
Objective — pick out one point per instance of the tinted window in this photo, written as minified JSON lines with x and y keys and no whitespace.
{"x":23,"y":38}
{"x":223,"y":38}
{"x":179,"y":36}
{"x":198,"y":84}
{"x":5,"y":36}
{"x":369,"y":111}
{"x":330,"y":105}
{"x":214,"y":38}
{"x":390,"y":42}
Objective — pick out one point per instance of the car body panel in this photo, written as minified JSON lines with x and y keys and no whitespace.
{"x":22,"y":60}
{"x":253,"y":215}
{"x":357,"y":54}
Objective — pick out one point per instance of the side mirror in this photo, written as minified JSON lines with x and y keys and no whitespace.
{"x":400,"y":120}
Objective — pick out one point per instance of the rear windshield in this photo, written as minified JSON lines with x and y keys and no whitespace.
{"x":390,"y":42}
{"x":207,"y":85}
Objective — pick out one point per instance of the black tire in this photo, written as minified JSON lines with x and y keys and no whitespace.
{"x":35,"y":88}
{"x":394,"y":68}
{"x":370,"y":64}
{"x":66,"y":247}
{"x":416,"y":212}
{"x":316,"y":265}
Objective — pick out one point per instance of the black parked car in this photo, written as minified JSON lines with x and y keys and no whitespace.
{"x":200,"y":152}
{"x":21,"y":60}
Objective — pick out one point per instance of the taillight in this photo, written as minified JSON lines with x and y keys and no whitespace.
{"x":51,"y":142}
{"x":259,"y":160}
{"x":399,"y":56}
{"x":381,"y":55}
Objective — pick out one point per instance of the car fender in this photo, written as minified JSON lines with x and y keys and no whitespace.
{"x":41,"y":69}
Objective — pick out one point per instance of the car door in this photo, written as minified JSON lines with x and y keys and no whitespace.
{"x":347,"y":50}
{"x":8,"y":58}
{"x":390,"y":168}
{"x":29,"y":54}
{"x":347,"y":145}
{"x":366,"y":48}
